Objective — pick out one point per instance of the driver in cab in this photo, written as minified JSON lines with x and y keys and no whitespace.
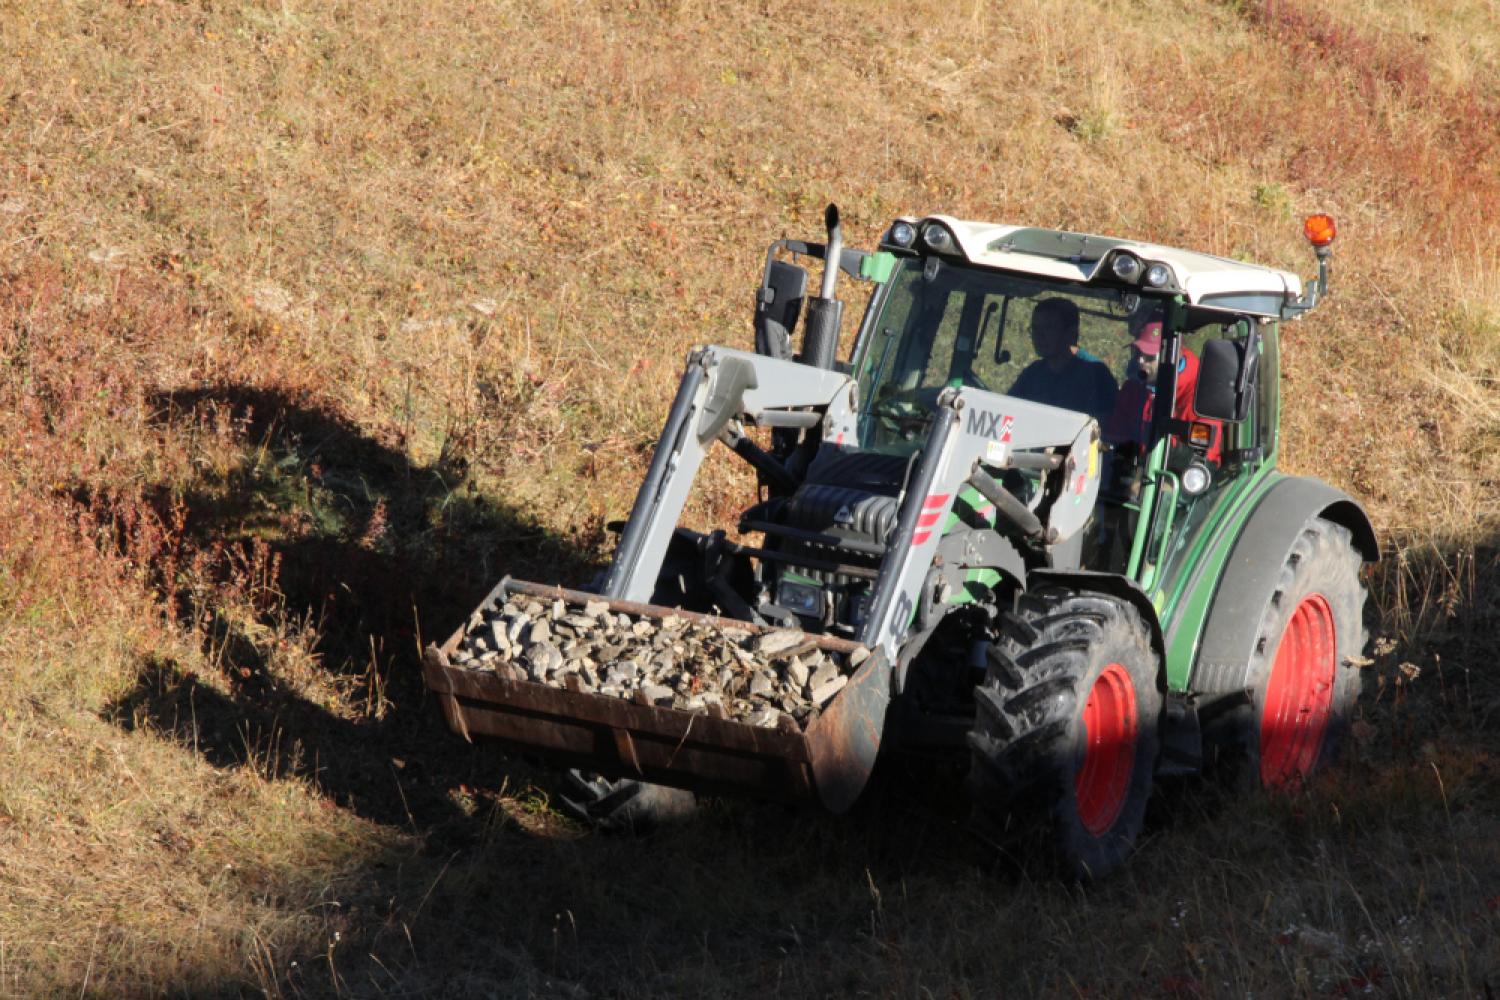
{"x":1062,"y":376}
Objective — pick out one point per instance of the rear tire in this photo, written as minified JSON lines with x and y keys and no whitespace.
{"x":1065,"y":732}
{"x":1302,"y":685}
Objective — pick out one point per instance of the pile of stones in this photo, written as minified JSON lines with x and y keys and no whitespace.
{"x":759,"y":678}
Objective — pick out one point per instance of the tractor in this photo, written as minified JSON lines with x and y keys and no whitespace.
{"x":1038,"y":494}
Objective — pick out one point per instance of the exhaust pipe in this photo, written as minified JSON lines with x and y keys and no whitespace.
{"x":834,"y":249}
{"x":820,"y":340}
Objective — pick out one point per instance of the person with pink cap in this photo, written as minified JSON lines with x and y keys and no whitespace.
{"x":1130,"y":421}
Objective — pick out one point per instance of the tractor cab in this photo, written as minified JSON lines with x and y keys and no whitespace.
{"x":1092,"y":325}
{"x":1089,"y":324}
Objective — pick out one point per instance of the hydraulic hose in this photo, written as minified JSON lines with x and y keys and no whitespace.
{"x":1008,"y":505}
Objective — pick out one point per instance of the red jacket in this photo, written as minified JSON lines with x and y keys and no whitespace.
{"x":1131,"y":418}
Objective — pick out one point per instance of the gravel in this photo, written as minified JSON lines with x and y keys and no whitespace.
{"x":759,"y":678}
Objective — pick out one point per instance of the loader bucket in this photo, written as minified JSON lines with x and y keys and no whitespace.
{"x":828,"y":758}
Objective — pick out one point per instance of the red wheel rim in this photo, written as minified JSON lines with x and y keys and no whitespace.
{"x":1109,"y":731}
{"x":1299,"y":695}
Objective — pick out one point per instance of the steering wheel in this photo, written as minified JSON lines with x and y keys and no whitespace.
{"x":905,"y":410}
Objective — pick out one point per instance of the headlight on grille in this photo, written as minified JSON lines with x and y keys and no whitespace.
{"x":800,"y":598}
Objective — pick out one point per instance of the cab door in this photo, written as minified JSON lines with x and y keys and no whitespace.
{"x":1201,"y":470}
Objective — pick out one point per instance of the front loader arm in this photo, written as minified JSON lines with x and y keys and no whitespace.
{"x":974,"y":431}
{"x":719,"y":387}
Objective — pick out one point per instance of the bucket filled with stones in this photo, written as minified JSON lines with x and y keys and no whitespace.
{"x":761,"y":678}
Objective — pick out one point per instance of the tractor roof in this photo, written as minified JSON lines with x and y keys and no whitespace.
{"x":1206,"y":281}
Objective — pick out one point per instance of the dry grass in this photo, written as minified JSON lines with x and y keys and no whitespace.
{"x":317,"y":317}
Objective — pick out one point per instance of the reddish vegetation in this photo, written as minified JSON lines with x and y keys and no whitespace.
{"x":315,"y":320}
{"x":1391,"y":82}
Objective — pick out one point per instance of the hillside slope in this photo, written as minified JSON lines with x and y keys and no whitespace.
{"x":318,"y":317}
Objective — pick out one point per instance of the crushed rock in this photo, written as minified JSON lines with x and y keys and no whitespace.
{"x":671,"y":662}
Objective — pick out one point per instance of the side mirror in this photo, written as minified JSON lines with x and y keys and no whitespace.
{"x":777,"y":306}
{"x":1227,"y":376}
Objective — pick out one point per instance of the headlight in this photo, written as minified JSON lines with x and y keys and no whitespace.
{"x":937,"y":237}
{"x":903,"y":234}
{"x":1195,"y":479}
{"x":1158,"y":275}
{"x":1127,"y":267}
{"x":800,"y":598}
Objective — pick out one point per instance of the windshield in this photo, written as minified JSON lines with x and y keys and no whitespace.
{"x":944,"y":325}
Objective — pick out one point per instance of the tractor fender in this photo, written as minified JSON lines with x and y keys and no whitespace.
{"x":1251,"y":572}
{"x":1114,"y":585}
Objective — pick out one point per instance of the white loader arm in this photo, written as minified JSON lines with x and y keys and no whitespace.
{"x":972,"y":432}
{"x":720,"y":386}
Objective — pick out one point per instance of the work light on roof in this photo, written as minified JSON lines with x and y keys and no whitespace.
{"x":1127,"y":266}
{"x":937,"y":237}
{"x":903,"y":234}
{"x":1157,"y":275}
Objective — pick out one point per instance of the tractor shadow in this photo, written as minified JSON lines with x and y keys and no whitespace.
{"x":328,"y":542}
{"x":371,"y":557}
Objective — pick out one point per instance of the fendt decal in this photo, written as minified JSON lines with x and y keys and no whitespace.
{"x":990,"y":423}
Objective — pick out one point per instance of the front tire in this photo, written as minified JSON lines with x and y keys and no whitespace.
{"x":1065,"y":733}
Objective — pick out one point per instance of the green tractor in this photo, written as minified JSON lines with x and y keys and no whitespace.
{"x":1036,"y":511}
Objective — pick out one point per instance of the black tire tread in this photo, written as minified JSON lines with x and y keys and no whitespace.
{"x":1025,"y":711}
